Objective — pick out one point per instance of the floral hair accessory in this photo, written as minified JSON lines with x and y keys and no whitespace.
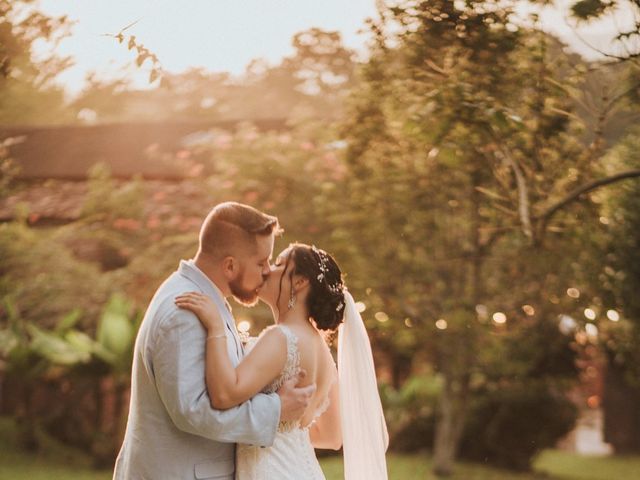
{"x":338,"y":287}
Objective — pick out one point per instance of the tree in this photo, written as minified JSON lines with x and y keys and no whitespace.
{"x":27,"y":94}
{"x":312,"y":82}
{"x":463,"y":142}
{"x":626,"y":40}
{"x":619,"y":313}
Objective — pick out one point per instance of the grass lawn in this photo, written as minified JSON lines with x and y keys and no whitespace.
{"x":60,"y":463}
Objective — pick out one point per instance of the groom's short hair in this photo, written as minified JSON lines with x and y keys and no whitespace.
{"x":232,"y":228}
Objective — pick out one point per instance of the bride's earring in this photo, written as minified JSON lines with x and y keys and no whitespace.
{"x":292,"y":300}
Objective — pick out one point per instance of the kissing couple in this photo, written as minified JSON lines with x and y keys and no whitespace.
{"x":203,"y":405}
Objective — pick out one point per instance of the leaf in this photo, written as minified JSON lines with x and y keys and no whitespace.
{"x":115,"y":331}
{"x":55,"y":349}
{"x":153,"y":75}
{"x":141,"y":58}
{"x":132,"y":42}
{"x":80,"y":341}
{"x":105,"y":355}
{"x":69,"y":320}
{"x":8,"y":342}
{"x":588,"y":9}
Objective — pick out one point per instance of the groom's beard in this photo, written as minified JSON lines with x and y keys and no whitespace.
{"x":248,"y":298}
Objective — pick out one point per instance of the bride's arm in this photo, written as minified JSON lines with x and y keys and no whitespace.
{"x":228,"y":386}
{"x":326,"y":431}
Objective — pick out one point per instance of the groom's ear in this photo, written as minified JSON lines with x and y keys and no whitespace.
{"x":229,"y":267}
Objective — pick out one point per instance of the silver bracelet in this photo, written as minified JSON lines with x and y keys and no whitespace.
{"x":221,"y":335}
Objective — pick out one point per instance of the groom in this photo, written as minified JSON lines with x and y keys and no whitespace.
{"x":172,"y":431}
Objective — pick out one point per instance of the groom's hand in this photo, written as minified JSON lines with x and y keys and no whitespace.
{"x":295,"y":399}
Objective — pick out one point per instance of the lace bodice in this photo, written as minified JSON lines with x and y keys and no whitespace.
{"x":291,"y":457}
{"x":290,"y":370}
{"x":292,"y":365}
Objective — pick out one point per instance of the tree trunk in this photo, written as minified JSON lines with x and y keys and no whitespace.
{"x":457,"y":369}
{"x":621,"y":415}
{"x":449,"y":425}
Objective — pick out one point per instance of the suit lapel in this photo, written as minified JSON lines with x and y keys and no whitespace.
{"x":190,"y":271}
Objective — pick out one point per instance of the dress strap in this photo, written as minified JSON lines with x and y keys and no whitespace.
{"x":293,"y":354}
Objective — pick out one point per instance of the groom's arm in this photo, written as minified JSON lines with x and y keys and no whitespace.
{"x":179,"y":370}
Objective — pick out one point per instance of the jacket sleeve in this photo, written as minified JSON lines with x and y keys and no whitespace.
{"x":178,"y":360}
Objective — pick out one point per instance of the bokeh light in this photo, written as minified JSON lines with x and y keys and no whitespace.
{"x":499,"y":318}
{"x":613,"y":315}
{"x":573,"y":292}
{"x":381,"y":317}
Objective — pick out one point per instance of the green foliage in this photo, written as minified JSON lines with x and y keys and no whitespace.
{"x":9,"y":169}
{"x":116,"y":335}
{"x":106,"y":200}
{"x":410,"y":412}
{"x":142,"y":53}
{"x":461,"y":136}
{"x":312,"y":82}
{"x":588,"y":9}
{"x":617,"y":307}
{"x":27,"y":93}
{"x":43,"y":279}
{"x":503,"y":426}
{"x":593,"y":10}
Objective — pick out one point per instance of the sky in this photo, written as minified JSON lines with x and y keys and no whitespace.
{"x":225,"y":35}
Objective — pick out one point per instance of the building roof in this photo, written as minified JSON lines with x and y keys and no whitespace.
{"x":128,"y":149}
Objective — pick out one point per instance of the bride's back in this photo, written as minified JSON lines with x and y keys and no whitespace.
{"x":316,"y":360}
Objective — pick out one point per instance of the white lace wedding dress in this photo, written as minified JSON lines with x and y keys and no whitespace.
{"x":291,"y":457}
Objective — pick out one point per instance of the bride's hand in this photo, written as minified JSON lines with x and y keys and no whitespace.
{"x":205,"y":309}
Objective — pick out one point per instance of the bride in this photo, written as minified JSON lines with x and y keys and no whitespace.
{"x":308,"y":299}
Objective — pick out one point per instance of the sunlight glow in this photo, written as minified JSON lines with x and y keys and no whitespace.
{"x":244,"y":326}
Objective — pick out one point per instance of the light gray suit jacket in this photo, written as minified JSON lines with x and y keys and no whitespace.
{"x":172,"y":431}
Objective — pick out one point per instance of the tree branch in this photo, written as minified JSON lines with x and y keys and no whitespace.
{"x":575,"y":194}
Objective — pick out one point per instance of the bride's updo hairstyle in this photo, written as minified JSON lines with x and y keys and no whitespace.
{"x":326,"y":295}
